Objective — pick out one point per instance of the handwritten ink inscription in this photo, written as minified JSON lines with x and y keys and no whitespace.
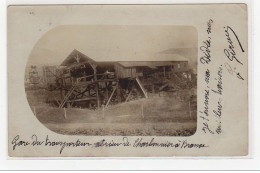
{"x":231,"y":51}
{"x":212,"y":111}
{"x":218,"y":80}
{"x":17,"y":142}
{"x":205,"y":48}
{"x":211,"y":114}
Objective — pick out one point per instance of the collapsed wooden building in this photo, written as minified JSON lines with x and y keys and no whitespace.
{"x":80,"y":79}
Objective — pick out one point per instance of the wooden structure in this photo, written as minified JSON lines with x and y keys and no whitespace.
{"x":83,"y":80}
{"x":126,"y":69}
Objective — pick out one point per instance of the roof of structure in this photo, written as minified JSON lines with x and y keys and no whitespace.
{"x":151,"y":64}
{"x":76,"y":57}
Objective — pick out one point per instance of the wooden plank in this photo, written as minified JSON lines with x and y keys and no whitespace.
{"x":129,"y":94}
{"x":189,"y":108}
{"x":65,"y":113}
{"x":106,"y":91}
{"x":118,"y":92}
{"x":141,"y":86}
{"x":97,"y":95}
{"x":67,"y":96}
{"x":94,"y":66}
{"x":142,"y":110}
{"x":96,"y":81}
{"x":84,"y":99}
{"x":164,"y":72}
{"x":110,"y":96}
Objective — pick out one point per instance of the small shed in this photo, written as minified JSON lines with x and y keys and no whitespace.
{"x":133,"y":69}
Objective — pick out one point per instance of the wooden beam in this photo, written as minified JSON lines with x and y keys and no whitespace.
{"x":97,"y":87}
{"x":65,"y":99}
{"x":84,"y":99}
{"x":164,"y":72}
{"x":129,"y":94}
{"x":106,"y":91}
{"x":110,"y":96}
{"x":118,"y":91}
{"x":142,"y":88}
{"x":95,"y":81}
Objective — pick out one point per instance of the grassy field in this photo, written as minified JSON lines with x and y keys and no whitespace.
{"x":125,"y":129}
{"x":155,"y":116}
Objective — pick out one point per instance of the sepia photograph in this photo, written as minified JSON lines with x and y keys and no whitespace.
{"x":128,"y":80}
{"x":115,"y":80}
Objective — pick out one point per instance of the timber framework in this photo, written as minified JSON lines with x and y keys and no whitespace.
{"x":82,"y":81}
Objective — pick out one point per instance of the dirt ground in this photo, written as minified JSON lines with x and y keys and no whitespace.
{"x":155,"y":116}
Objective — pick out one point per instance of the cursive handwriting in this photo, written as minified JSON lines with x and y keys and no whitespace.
{"x":230,"y":52}
{"x":124,"y":142}
{"x":227,"y":29}
{"x":16,"y":142}
{"x":219,"y":82}
{"x":104,"y":143}
{"x":180,"y":144}
{"x":209,"y":24}
{"x":205,"y":48}
{"x":206,"y":128}
{"x":206,"y":103}
{"x":64,"y":144}
{"x":140,"y":143}
{"x":207,"y":76}
{"x":233,"y":71}
{"x":218,"y":112}
{"x":185,"y":144}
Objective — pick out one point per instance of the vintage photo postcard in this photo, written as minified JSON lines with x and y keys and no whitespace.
{"x":128,"y":80}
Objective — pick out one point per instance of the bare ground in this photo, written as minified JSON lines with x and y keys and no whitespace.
{"x":161,"y":116}
{"x":125,"y":129}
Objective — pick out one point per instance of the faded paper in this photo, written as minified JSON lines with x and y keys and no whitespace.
{"x":213,"y":40}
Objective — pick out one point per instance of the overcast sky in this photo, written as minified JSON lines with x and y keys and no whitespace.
{"x":108,"y":43}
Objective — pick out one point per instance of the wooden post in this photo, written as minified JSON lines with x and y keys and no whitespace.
{"x":189,"y":109}
{"x":97,"y":93}
{"x":44,"y":75}
{"x":106,"y":91}
{"x":57,"y":100}
{"x":97,"y":87}
{"x":65,"y":113}
{"x":118,"y":91}
{"x":164,"y":72}
{"x":142,"y":109}
{"x":110,"y":97}
{"x":129,"y":94}
{"x":103,"y":111}
{"x":141,"y":87}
